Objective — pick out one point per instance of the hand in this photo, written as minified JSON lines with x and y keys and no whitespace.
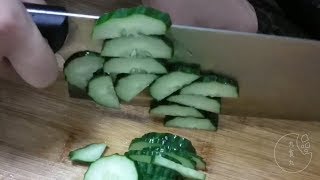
{"x":236,"y":15}
{"x":22,"y":48}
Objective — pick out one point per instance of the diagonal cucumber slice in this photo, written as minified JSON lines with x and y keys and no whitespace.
{"x":132,"y":22}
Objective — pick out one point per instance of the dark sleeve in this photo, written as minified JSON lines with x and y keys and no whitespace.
{"x":305,"y":13}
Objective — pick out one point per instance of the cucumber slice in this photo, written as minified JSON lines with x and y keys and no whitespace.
{"x":131,"y":22}
{"x":197,"y":101}
{"x":200,"y":163}
{"x":145,"y":155}
{"x":181,"y":75}
{"x":142,"y":46}
{"x":154,"y":172}
{"x":112,"y":167}
{"x":162,"y":139}
{"x":171,"y":109}
{"x":130,"y":86}
{"x":88,"y":154}
{"x":101,"y":90}
{"x":184,"y":171}
{"x":134,"y":65}
{"x":209,"y":123}
{"x":81,"y":66}
{"x":213,"y":85}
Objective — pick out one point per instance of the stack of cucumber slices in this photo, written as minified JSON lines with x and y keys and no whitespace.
{"x":154,"y":156}
{"x":136,"y":54}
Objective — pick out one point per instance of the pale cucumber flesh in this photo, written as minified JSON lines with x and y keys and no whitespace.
{"x":175,"y":110}
{"x":129,"y":87}
{"x":141,"y":46}
{"x":79,"y":71}
{"x":184,"y":171}
{"x":134,"y":65}
{"x":88,"y":153}
{"x":101,"y":90}
{"x":197,"y":101}
{"x":191,"y":123}
{"x":111,"y":168}
{"x":212,"y":89}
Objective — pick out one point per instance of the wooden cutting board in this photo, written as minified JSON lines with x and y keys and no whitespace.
{"x":38,"y":128}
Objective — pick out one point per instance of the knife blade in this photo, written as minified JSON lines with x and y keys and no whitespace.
{"x":278,"y":76}
{"x":59,"y":13}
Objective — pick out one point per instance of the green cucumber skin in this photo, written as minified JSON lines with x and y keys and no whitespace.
{"x":73,"y":154}
{"x":125,"y":12}
{"x":75,"y":92}
{"x":163,"y":139}
{"x":138,"y":47}
{"x":190,"y":68}
{"x":169,"y":138}
{"x":221,"y":78}
{"x":130,"y":12}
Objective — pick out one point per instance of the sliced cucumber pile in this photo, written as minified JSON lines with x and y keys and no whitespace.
{"x":136,"y":56}
{"x":168,"y":151}
{"x":174,"y":159}
{"x":88,"y":154}
{"x":132,"y":22}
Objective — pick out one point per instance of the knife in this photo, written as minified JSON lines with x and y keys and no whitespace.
{"x":278,"y":76}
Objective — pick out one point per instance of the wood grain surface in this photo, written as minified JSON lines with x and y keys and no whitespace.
{"x":38,"y":128}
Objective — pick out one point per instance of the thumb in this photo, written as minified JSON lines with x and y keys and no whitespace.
{"x":28,"y":52}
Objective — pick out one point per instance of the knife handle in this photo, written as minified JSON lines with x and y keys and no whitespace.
{"x":52,"y":27}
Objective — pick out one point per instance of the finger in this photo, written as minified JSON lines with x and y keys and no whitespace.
{"x":28,"y":51}
{"x":34,"y":1}
{"x":220,"y":14}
